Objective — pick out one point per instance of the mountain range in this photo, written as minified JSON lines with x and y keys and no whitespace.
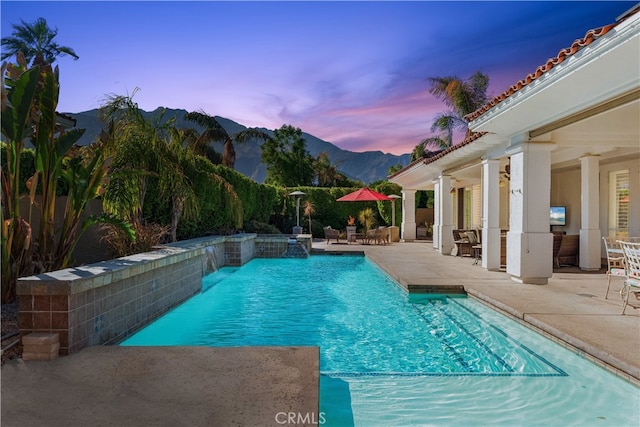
{"x":367,"y":166}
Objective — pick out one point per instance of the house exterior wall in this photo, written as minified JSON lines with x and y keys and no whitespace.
{"x":634,"y":195}
{"x":565,"y":191}
{"x":565,"y":186}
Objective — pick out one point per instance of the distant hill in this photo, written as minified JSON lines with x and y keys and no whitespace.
{"x":367,"y":167}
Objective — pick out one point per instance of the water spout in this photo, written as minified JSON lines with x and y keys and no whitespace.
{"x":210,"y":264}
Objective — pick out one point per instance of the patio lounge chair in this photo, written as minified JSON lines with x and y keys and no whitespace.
{"x":330,"y":233}
{"x":632,"y":266}
{"x":615,"y":261}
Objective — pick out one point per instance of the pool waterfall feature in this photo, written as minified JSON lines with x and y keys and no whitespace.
{"x":105,"y":302}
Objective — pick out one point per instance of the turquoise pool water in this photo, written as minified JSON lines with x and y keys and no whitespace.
{"x":388,"y":359}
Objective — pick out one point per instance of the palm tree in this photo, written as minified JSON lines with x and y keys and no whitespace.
{"x":136,"y":153}
{"x":462,"y":97}
{"x":215,"y":132}
{"x":367,"y":219}
{"x":36,"y":43}
{"x":144,"y":149}
{"x":309,"y":210}
{"x":328,"y":175}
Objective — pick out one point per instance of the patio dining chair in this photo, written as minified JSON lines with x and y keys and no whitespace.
{"x":615,"y":261}
{"x":631,"y":284}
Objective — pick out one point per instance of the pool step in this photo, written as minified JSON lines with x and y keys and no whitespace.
{"x":436,"y":289}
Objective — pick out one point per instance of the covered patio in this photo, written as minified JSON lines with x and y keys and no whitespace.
{"x":567,"y":135}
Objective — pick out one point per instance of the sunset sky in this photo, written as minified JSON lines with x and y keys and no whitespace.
{"x":351,"y":73}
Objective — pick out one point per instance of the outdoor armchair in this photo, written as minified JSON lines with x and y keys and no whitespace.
{"x":330,"y":233}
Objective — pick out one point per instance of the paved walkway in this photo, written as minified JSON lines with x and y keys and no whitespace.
{"x":571,"y":308}
{"x":164,"y":386}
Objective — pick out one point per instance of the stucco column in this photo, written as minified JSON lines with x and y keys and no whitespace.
{"x":436,"y":214}
{"x":491,"y":214}
{"x":445,"y":209}
{"x":529,"y":240}
{"x":408,"y":215}
{"x":589,"y":213}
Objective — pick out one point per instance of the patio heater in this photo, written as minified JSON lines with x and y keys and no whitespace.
{"x":393,"y":198}
{"x":394,"y":232}
{"x":297,"y":194}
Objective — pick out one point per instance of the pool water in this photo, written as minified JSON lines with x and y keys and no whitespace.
{"x":390,"y":359}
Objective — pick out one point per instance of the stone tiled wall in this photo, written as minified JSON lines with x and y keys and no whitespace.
{"x":239,"y":249}
{"x":275,"y":246}
{"x":271,"y":247}
{"x":105,"y":302}
{"x":105,"y":314}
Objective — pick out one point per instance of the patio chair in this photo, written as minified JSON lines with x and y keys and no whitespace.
{"x":381,"y":235}
{"x":369,"y":236}
{"x":615,"y":261}
{"x":631,"y":284}
{"x":464,"y":241}
{"x":330,"y":233}
{"x":568,"y":253}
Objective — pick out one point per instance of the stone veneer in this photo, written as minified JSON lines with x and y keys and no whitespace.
{"x":105,"y":302}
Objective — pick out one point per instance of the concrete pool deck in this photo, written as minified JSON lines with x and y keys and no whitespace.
{"x":132,"y":386}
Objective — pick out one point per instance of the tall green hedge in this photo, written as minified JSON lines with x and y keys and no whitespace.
{"x":261,"y":203}
{"x":258,"y":201}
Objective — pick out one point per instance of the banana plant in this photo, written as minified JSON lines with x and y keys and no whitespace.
{"x":19,"y":89}
{"x":52,"y":145}
{"x":29,"y":101}
{"x":84,"y":173}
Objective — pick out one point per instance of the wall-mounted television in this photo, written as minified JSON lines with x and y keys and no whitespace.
{"x":558,"y":215}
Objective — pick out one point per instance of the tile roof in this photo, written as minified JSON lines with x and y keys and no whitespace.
{"x":578,"y":44}
{"x":468,"y":140}
{"x":440,"y":154}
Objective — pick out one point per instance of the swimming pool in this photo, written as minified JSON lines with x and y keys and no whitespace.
{"x":388,"y":358}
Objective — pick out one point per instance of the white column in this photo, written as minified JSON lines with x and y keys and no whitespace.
{"x":436,"y":214}
{"x":491,"y":214}
{"x":529,"y":240}
{"x":590,"y":239}
{"x":408,"y":215}
{"x":446,"y":214}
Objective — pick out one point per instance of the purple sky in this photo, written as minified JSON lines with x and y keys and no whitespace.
{"x":351,"y":73}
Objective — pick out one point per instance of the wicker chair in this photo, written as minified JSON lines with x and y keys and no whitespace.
{"x":330,"y":233}
{"x":464,"y":240}
{"x":568,"y":252}
{"x":381,"y":235}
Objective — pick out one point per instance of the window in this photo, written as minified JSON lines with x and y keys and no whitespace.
{"x":468,"y":207}
{"x":472,"y":206}
{"x":619,"y":203}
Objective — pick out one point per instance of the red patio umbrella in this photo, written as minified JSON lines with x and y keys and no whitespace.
{"x":364,"y":194}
